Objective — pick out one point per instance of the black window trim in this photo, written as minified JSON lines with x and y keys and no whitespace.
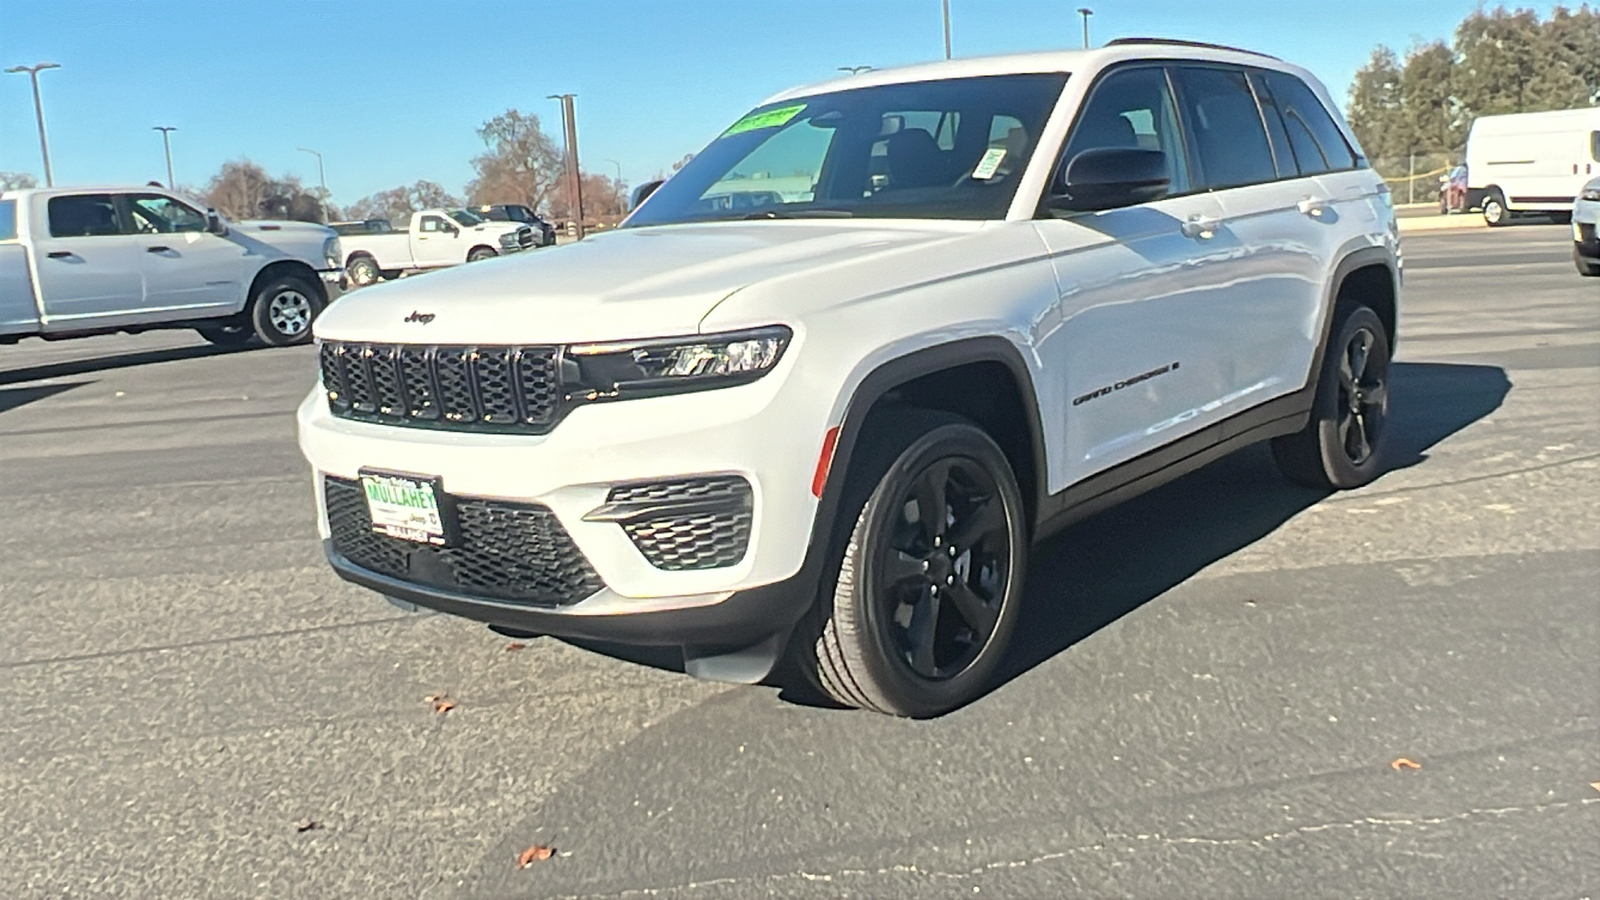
{"x":1360,"y":161}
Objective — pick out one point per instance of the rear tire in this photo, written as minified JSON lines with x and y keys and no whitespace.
{"x":1342,"y":445}
{"x":479,"y":253}
{"x":923,"y":607}
{"x":390,"y":274}
{"x":363,"y":270}
{"x":227,"y":335}
{"x":283,"y":310}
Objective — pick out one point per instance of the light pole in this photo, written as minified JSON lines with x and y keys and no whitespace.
{"x":855,"y":70}
{"x":570,"y":138}
{"x":166,"y":144}
{"x":946,"y":4}
{"x":1086,"y":12}
{"x":38,"y":111}
{"x":322,"y":179}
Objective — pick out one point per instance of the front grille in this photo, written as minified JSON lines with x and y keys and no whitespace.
{"x":516,"y":552}
{"x":464,"y":388}
{"x":710,"y":537}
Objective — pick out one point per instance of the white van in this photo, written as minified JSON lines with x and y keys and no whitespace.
{"x":1531,"y":162}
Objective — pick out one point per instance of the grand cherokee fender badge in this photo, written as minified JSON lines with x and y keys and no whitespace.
{"x":421,"y":318}
{"x":1126,"y":382}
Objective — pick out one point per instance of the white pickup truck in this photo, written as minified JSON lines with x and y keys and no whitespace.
{"x":435,"y":239}
{"x":76,"y":262}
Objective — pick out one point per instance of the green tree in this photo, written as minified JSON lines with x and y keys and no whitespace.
{"x":1376,"y":112}
{"x":1508,"y":64}
{"x":1574,"y":36}
{"x":1432,"y":114}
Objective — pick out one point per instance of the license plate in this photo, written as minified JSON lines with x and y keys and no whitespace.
{"x":405,"y":507}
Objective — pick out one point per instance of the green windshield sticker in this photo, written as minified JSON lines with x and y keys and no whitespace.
{"x":770,"y":118}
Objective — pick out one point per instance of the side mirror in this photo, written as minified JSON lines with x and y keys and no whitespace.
{"x":214,"y":223}
{"x":1109,"y":178}
{"x":643,"y":192}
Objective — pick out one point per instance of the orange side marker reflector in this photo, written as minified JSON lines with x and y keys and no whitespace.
{"x":824,"y":461}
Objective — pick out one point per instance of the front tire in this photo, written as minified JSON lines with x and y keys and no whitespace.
{"x":479,"y":253}
{"x":283,"y":310}
{"x":1585,"y":267}
{"x":930,"y":583}
{"x":1342,"y":445}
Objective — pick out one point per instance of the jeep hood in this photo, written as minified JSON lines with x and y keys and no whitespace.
{"x":632,"y":283}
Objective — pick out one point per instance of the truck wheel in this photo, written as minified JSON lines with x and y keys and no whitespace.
{"x":930,"y":583}
{"x":1342,"y":446}
{"x":227,"y":335}
{"x":390,"y":274}
{"x":481,"y":253}
{"x":1585,"y":267}
{"x":363,"y":270}
{"x":1494,"y":209}
{"x":282,"y":311}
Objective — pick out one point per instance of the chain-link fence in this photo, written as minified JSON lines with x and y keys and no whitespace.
{"x":1415,"y":178}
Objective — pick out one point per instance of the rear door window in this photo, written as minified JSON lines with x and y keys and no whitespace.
{"x":1319,"y":145}
{"x":1225,"y":127}
{"x":83,"y":215}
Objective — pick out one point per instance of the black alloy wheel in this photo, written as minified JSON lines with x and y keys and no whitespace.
{"x":942,"y":571}
{"x":1363,"y":397}
{"x":1341,"y":446}
{"x":931,"y":560}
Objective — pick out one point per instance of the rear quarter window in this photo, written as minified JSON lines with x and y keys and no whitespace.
{"x":8,"y":220}
{"x":1319,"y":145}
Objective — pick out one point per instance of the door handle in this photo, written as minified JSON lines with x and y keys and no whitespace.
{"x":158,"y":249}
{"x":1312,"y":206}
{"x":59,"y":254}
{"x":1201,"y":227}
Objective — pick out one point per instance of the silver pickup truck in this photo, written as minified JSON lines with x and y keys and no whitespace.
{"x":79,"y":261}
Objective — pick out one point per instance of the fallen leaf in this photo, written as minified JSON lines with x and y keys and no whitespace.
{"x":536,"y":853}
{"x":305,"y":825}
{"x":1595,"y":785}
{"x":1403,"y":763}
{"x":514,"y":646}
{"x":433,"y":698}
{"x":442,"y":706}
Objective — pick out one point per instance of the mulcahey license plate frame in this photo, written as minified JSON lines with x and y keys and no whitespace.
{"x":409,"y":507}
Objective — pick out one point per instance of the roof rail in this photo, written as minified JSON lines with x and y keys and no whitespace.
{"x":1174,"y":42}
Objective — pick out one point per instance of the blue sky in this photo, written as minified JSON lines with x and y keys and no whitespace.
{"x":391,"y":91}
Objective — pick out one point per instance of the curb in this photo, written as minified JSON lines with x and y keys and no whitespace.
{"x":1464,"y":222}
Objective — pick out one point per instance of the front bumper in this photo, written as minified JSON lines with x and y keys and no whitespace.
{"x":334,"y":282}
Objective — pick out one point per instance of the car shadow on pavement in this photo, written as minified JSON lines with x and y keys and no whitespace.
{"x":1105,"y":567}
{"x":11,"y":398}
{"x":71,"y":367}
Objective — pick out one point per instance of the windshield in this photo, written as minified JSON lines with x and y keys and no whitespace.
{"x":465,"y":218}
{"x":950,"y":149}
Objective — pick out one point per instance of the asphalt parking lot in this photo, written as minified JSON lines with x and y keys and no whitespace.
{"x":1213,"y":689}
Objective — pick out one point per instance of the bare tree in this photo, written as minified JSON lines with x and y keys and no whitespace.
{"x":397,"y":204}
{"x":522,"y":165}
{"x":243,"y":190}
{"x":16,"y":181}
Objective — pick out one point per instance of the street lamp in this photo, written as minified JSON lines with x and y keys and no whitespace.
{"x":1086,"y":12}
{"x":946,"y":4}
{"x":322,"y":179}
{"x":38,"y":111}
{"x":622,"y":199}
{"x":855,"y":70}
{"x":166,"y":144}
{"x":569,"y":128}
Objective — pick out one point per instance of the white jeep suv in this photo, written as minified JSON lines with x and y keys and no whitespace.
{"x":815,"y":400}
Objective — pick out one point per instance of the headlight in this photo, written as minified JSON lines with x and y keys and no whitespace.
{"x":621,"y":371}
{"x":509,"y":239}
{"x":332,"y":252}
{"x":1591,"y":194}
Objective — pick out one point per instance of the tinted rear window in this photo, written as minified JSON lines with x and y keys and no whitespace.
{"x":1319,"y":145}
{"x":8,"y":220}
{"x":1225,"y":123}
{"x":83,"y":215}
